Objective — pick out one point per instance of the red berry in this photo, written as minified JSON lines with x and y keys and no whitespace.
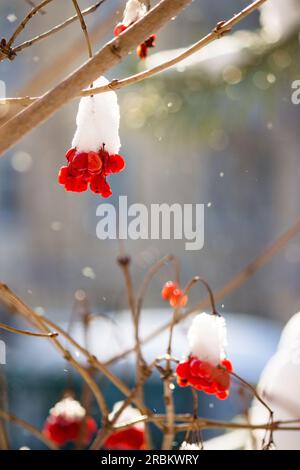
{"x":70,"y":154}
{"x":119,"y":28}
{"x":99,"y":185}
{"x":132,"y":438}
{"x":205,"y":370}
{"x":194,"y":367}
{"x":168,"y":290}
{"x":94,"y":162}
{"x":183,"y":370}
{"x":178,"y":299}
{"x":63,"y":174}
{"x":77,"y":184}
{"x":222,"y":395}
{"x":79,"y":164}
{"x":116,"y":163}
{"x":227,"y":364}
{"x":142,"y":51}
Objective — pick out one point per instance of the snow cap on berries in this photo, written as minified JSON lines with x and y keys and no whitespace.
{"x":134,"y":11}
{"x":69,"y":409}
{"x":207,"y":338}
{"x":128,"y":414}
{"x":98,"y":120}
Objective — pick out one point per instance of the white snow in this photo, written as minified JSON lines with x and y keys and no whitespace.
{"x":207,"y":338}
{"x":98,"y":121}
{"x":128,"y":414}
{"x":68,"y":408}
{"x":133,"y":12}
{"x":280,"y":387}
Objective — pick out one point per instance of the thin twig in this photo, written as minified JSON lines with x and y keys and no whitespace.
{"x":27,"y":333}
{"x":15,"y":304}
{"x":110,"y":55}
{"x":83,"y":27}
{"x":24,"y":22}
{"x":56,"y":28}
{"x":116,"y":84}
{"x":28,"y":427}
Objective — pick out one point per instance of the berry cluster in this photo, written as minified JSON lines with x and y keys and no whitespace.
{"x":132,"y":438}
{"x":214,"y":380}
{"x":89,"y":168}
{"x":143,"y":49}
{"x":67,"y":422}
{"x":172,"y":292}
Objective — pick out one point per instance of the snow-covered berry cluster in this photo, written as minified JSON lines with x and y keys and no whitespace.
{"x":130,"y":438}
{"x":95,"y":146}
{"x":67,"y":422}
{"x":134,"y":11}
{"x":206,"y":368}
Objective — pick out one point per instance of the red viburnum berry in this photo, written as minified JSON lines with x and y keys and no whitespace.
{"x":131,"y":438}
{"x":119,"y":28}
{"x":134,"y":11}
{"x":203,"y":376}
{"x":90,"y":168}
{"x":67,"y":422}
{"x":174,"y":294}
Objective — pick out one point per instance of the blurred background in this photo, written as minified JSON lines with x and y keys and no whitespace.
{"x":219,"y":129}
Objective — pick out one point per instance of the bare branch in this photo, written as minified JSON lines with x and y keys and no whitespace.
{"x":56,"y":29}
{"x":29,"y":427}
{"x":27,"y":333}
{"x":116,"y":84}
{"x":105,"y":59}
{"x":83,"y":27}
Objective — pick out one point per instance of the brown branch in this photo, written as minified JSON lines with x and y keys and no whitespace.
{"x":236,"y":282}
{"x":24,"y":22}
{"x":29,"y":427}
{"x":12,"y":301}
{"x":56,"y":28}
{"x":83,"y":27}
{"x":27,"y":333}
{"x":116,"y":84}
{"x":105,"y":59}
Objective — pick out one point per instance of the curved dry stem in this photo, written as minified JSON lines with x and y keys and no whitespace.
{"x":194,"y":281}
{"x":27,"y":333}
{"x":29,"y":427}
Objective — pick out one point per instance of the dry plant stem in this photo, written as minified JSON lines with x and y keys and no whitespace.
{"x":24,"y":22}
{"x":32,"y":4}
{"x":56,"y":29}
{"x":29,"y":427}
{"x":216,"y":33}
{"x":168,"y":439}
{"x":15,"y":304}
{"x":93,"y":361}
{"x":238,"y":280}
{"x":27,"y":333}
{"x":110,"y":55}
{"x":194,"y":281}
{"x":84,"y":28}
{"x":260,"y":399}
{"x":110,"y":424}
{"x":124,"y":262}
